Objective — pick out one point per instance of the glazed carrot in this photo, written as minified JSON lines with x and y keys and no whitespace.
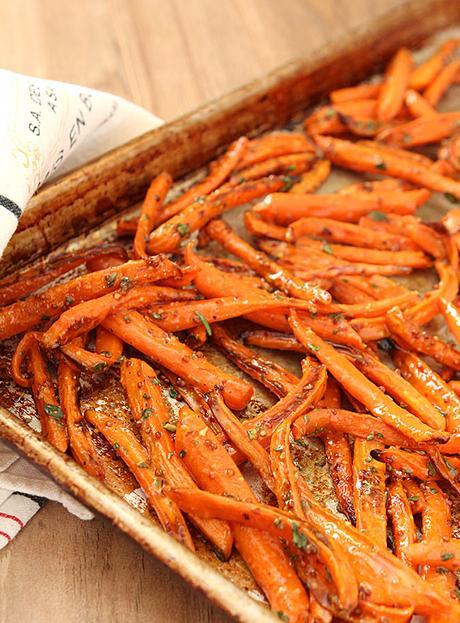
{"x":23,"y":315}
{"x":52,"y":419}
{"x":22,"y":377}
{"x":150,"y":411}
{"x":373,"y":186}
{"x":274,"y":144}
{"x":422,"y":131}
{"x":270,"y":374}
{"x":238,"y":435}
{"x":406,"y":154}
{"x":444,"y":553}
{"x":346,"y":233}
{"x":296,"y":402}
{"x":409,"y":335}
{"x":108,"y":256}
{"x":400,"y":389}
{"x":395,"y":83}
{"x":269,"y":270}
{"x":418,"y":106}
{"x":381,"y":287}
{"x":171,"y":233}
{"x":108,"y":344}
{"x":408,"y":463}
{"x":415,"y":495}
{"x":451,"y":316}
{"x":273,"y":340}
{"x":385,"y":613}
{"x":312,"y":179}
{"x":369,"y":492}
{"x":361,"y":91}
{"x":361,"y":388}
{"x":347,"y":293}
{"x":168,"y":351}
{"x":196,"y":337}
{"x":94,"y":362}
{"x":365,"y":159}
{"x":292,"y":164}
{"x":402,"y":521}
{"x":151,"y":205}
{"x":370,"y":329}
{"x":428,"y":307}
{"x":81,"y":445}
{"x":173,"y":317}
{"x":446,"y":77}
{"x":374,"y":308}
{"x":285,"y":208}
{"x":219,"y":171}
{"x":425,"y":73}
{"x":87,"y":315}
{"x":333,"y":119}
{"x":136,"y":458}
{"x":261,"y":229}
{"x":214,"y":471}
{"x":411,"y":259}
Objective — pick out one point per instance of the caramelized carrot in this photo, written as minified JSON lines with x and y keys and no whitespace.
{"x":408,"y":463}
{"x":395,"y":83}
{"x":451,"y":316}
{"x":108,"y":344}
{"x":361,"y":91}
{"x":273,"y":145}
{"x":21,"y":376}
{"x":292,"y":164}
{"x":402,"y":521}
{"x":312,"y":179}
{"x":260,"y":228}
{"x":94,"y":362}
{"x":425,"y":73}
{"x":446,"y":77}
{"x":422,"y":131}
{"x":445,"y":553}
{"x":154,"y":198}
{"x":418,"y":106}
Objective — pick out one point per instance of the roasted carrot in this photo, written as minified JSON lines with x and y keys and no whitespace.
{"x":273,"y":145}
{"x":402,"y":521}
{"x":153,"y":201}
{"x":87,"y":359}
{"x":270,"y":374}
{"x":81,"y":445}
{"x":19,"y":370}
{"x":418,"y":106}
{"x":444,"y":553}
{"x":395,"y":83}
{"x":136,"y":458}
{"x":446,"y":77}
{"x":406,"y":463}
{"x":108,"y":344}
{"x":150,"y":411}
{"x":167,"y":350}
{"x":23,"y":315}
{"x":361,"y":388}
{"x":312,"y":179}
{"x":451,"y":316}
{"x":365,"y":159}
{"x":361,"y":91}
{"x":292,"y":164}
{"x":196,"y":337}
{"x":428,"y":307}
{"x":168,"y":236}
{"x":422,"y":131}
{"x":273,"y":340}
{"x":425,"y":73}
{"x":373,"y":186}
{"x":214,"y":470}
{"x":333,"y":119}
{"x":260,"y":228}
{"x":415,"y":495}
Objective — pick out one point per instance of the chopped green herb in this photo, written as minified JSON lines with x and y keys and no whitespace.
{"x":284,"y":617}
{"x":99,"y":367}
{"x":337,"y":317}
{"x":277,"y":522}
{"x":125,"y":284}
{"x":330,"y":112}
{"x":69,"y":300}
{"x":54,"y":411}
{"x":252,"y":433}
{"x":204,"y":322}
{"x":431,"y":469}
{"x":413,"y":498}
{"x":156,"y":316}
{"x":381,"y":165}
{"x":370,"y":437}
{"x":378,"y":216}
{"x":142,"y":464}
{"x":278,"y":449}
{"x":110,"y":279}
{"x":327,"y":249}
{"x":116,"y":445}
{"x":182,"y":453}
{"x":379,"y":435}
{"x":450,"y":197}
{"x":447,"y":556}
{"x":172,"y":392}
{"x":298,"y":538}
{"x":45,"y":317}
{"x":313,"y":346}
{"x":182,"y":229}
{"x":146,"y":413}
{"x":171,"y":428}
{"x":434,"y":491}
{"x":442,"y":570}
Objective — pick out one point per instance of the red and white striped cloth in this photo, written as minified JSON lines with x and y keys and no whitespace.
{"x":70,"y":125}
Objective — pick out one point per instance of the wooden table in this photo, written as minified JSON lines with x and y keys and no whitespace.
{"x":169,"y":56}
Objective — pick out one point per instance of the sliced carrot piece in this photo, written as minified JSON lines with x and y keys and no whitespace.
{"x":361,"y":91}
{"x":422,"y":131}
{"x":395,"y":83}
{"x":425,"y":73}
{"x":418,"y":106}
{"x":151,"y":205}
{"x":312,"y":179}
{"x":274,"y":144}
{"x":446,"y":77}
{"x":292,"y":164}
{"x":402,"y":521}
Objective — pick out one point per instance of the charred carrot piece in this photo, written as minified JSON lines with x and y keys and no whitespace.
{"x":261,"y":229}
{"x":24,"y":315}
{"x":395,"y":83}
{"x":270,"y":374}
{"x":273,"y":145}
{"x":81,"y":445}
{"x":402,"y":520}
{"x":285,"y":208}
{"x":265,"y":267}
{"x":194,"y":217}
{"x":446,"y":77}
{"x":150,"y":411}
{"x":85,"y":316}
{"x":425,"y":73}
{"x":409,"y":335}
{"x":293,"y":164}
{"x":422,"y":131}
{"x":361,"y":91}
{"x":52,"y":419}
{"x":168,"y":351}
{"x":381,"y":405}
{"x":369,"y":492}
{"x":19,"y":370}
{"x":108,"y":344}
{"x":418,"y":106}
{"x":196,"y":337}
{"x":154,"y":198}
{"x":214,"y":470}
{"x":219,"y":172}
{"x":312,"y":179}
{"x":136,"y":458}
{"x":399,"y":388}
{"x":367,"y":160}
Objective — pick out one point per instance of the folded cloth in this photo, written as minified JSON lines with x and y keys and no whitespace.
{"x":48,"y":128}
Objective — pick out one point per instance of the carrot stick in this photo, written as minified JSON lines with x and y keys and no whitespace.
{"x":108,"y":344}
{"x":273,"y":145}
{"x":261,"y":229}
{"x":402,"y":521}
{"x":214,"y":471}
{"x":361,"y":91}
{"x":85,"y":316}
{"x":418,"y":106}
{"x":425,"y":73}
{"x":219,"y":171}
{"x":22,"y":377}
{"x":347,"y":293}
{"x":395,"y":83}
{"x":374,"y":308}
{"x":94,"y":362}
{"x":385,"y":613}
{"x":196,"y":337}
{"x":150,"y":411}
{"x":369,"y":492}
{"x":428,"y":307}
{"x":409,"y":336}
{"x":269,"y":270}
{"x":451,"y":315}
{"x":411,"y":259}
{"x":408,"y":463}
{"x":446,"y":77}
{"x":168,"y":351}
{"x":168,"y":236}
{"x":406,"y":154}
{"x":444,"y":553}
{"x":370,"y":329}
{"x":273,"y":340}
{"x":136,"y":458}
{"x":23,"y":315}
{"x":333,"y":119}
{"x":374,"y":186}
{"x":312,"y":179}
{"x":422,"y":131}
{"x":292,"y":164}
{"x":153,"y":201}
{"x":415,"y":495}
{"x":81,"y":445}
{"x":365,"y":159}
{"x":270,"y":374}
{"x":361,"y":388}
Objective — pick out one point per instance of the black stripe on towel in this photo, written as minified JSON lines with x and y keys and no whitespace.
{"x":10,"y":206}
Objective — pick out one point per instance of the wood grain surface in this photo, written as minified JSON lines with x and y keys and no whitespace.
{"x":170,"y":57}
